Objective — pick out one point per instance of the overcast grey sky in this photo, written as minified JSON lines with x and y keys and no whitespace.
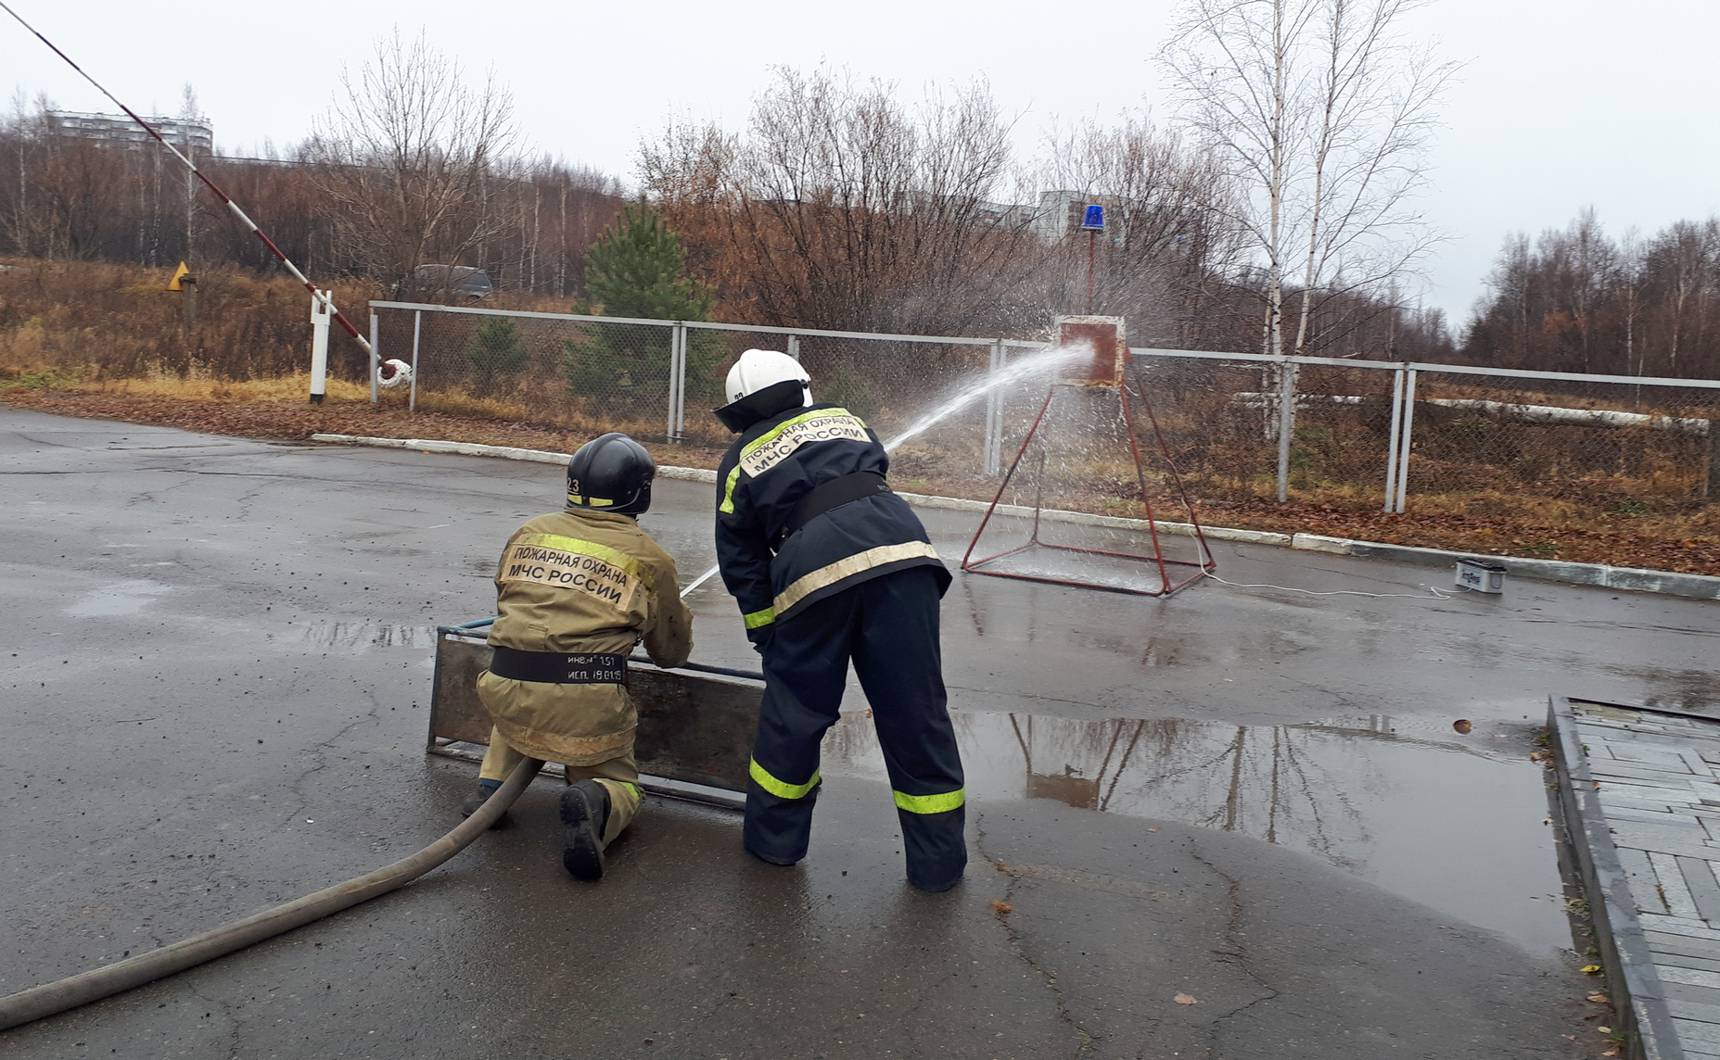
{"x":1561,"y":104}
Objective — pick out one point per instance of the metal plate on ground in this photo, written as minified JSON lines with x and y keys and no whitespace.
{"x":693,"y":727}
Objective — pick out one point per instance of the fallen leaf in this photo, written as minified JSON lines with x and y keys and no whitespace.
{"x":1609,"y":1052}
{"x":1001,"y":908}
{"x":1540,"y":756}
{"x":1600,"y":999}
{"x":1462,"y":725}
{"x":1186,"y":999}
{"x":1603,"y":1030}
{"x":1591,"y":969}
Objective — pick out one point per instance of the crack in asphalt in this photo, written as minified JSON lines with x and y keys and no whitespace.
{"x":319,"y":755}
{"x":1236,"y":951}
{"x":235,"y":1025}
{"x":1088,"y":1039}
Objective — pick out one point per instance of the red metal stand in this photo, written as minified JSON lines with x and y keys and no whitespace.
{"x":1104,"y":374}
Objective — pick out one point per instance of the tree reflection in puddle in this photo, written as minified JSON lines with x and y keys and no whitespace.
{"x":1447,"y":825}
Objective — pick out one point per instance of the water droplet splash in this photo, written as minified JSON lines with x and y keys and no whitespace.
{"x":1041,"y":363}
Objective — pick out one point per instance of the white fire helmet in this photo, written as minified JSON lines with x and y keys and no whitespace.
{"x":761,"y":384}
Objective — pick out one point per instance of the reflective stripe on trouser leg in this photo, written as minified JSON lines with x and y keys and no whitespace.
{"x":778,"y":824}
{"x":620,"y":777}
{"x":805,"y":669}
{"x":900,"y":666}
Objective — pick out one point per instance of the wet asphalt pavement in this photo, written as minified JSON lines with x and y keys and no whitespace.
{"x":216,"y":668}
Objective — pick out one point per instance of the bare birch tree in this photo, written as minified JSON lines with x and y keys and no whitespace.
{"x":405,"y":152}
{"x":1322,"y":112}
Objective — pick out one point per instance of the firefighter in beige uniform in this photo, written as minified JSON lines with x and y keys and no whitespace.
{"x":576,"y":592}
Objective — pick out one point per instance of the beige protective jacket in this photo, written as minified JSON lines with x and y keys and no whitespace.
{"x":578,"y":581}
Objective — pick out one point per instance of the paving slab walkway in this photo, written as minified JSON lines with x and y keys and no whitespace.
{"x":1642,"y":789}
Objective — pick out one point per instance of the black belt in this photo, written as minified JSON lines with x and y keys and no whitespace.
{"x":832,"y":494}
{"x":559,"y":668}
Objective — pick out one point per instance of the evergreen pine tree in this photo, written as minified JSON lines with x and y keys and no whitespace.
{"x":637,"y":269}
{"x":495,"y":353}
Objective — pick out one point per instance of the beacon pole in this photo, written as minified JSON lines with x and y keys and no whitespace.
{"x":1093,"y":222}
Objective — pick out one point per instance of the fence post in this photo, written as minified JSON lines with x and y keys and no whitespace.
{"x":375,"y":359}
{"x":681,"y":387}
{"x":794,"y":346}
{"x":1404,"y":442}
{"x":1392,"y":443}
{"x":1711,"y":485}
{"x":677,"y":340}
{"x":1286,"y":423}
{"x":412,"y":395}
{"x":994,"y":414}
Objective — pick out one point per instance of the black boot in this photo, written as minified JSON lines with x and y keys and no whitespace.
{"x":584,"y":816}
{"x":486,"y":788}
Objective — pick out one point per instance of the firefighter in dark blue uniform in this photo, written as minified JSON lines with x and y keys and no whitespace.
{"x":829,"y":566}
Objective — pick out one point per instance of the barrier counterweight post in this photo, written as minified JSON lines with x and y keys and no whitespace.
{"x":321,"y":311}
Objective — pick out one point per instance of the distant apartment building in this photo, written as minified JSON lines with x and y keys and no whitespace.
{"x":197,"y":134}
{"x":1060,"y":213}
{"x":1055,"y":216}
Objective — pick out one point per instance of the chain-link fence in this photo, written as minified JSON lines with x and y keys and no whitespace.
{"x":1492,"y":441}
{"x":1242,"y":430}
{"x":582,"y":374}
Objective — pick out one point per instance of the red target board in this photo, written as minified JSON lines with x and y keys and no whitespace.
{"x":1084,"y":445}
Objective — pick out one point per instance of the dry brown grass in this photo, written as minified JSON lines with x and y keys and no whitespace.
{"x":200,"y":386}
{"x":104,"y":340}
{"x":119,"y":321}
{"x":1503,"y":522}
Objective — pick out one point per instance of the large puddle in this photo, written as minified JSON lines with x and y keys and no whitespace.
{"x":1457,"y":829}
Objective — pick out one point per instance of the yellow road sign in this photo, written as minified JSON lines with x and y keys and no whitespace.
{"x":179,"y":276}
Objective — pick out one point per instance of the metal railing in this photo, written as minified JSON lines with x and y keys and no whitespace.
{"x":1243,"y":428}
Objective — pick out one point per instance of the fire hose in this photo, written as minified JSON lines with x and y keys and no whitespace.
{"x":53,"y":998}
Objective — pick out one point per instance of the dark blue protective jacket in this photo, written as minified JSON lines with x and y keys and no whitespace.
{"x":761,"y":480}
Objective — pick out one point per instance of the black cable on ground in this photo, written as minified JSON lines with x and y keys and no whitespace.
{"x":53,"y":998}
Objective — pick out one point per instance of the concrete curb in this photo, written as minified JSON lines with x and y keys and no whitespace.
{"x":1637,"y":992}
{"x":1599,"y":575}
{"x":1632,"y":579}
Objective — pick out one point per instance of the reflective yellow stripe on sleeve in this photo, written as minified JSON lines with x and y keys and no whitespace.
{"x":782,"y":789}
{"x":760,"y":618}
{"x":942,"y":803}
{"x":728,"y":505}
